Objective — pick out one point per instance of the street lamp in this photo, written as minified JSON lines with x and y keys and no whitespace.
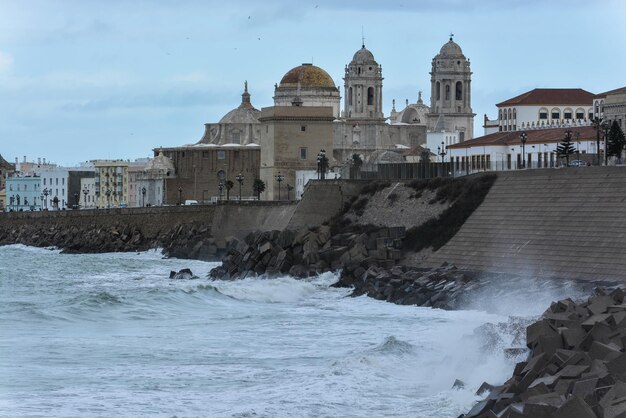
{"x":577,"y":146}
{"x":605,"y":127}
{"x":597,"y":122}
{"x":180,"y":196}
{"x":17,"y":197}
{"x":322,"y":164}
{"x":108,"y":193}
{"x":220,"y":188}
{"x":523,"y":137}
{"x":76,"y":200}
{"x":289,"y":189}
{"x":441,"y":151}
{"x":239,"y":177}
{"x":279,"y":179}
{"x":11,"y":199}
{"x":85,"y":193}
{"x":143,"y":197}
{"x":46,"y":192}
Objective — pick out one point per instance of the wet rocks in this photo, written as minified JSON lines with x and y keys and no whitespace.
{"x":438,"y":288}
{"x":309,"y":251}
{"x":576,"y":366}
{"x":184,"y":274}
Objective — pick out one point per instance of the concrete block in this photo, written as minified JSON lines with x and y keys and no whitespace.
{"x":606,"y":352}
{"x":575,"y":407}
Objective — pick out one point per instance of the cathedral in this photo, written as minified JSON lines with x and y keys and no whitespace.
{"x":282,"y":143}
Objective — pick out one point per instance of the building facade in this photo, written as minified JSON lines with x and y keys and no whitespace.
{"x":111,"y":182}
{"x":450,"y":97}
{"x":542,"y":108}
{"x":614,"y":107}
{"x":291,"y":139}
{"x":23,"y":193}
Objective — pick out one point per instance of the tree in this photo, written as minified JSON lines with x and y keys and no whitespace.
{"x":229,"y":185}
{"x":616,"y":141}
{"x":566,"y":148}
{"x":259,"y":187}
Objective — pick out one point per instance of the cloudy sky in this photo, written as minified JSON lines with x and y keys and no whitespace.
{"x":88,"y":79}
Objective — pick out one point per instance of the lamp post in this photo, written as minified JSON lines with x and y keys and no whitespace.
{"x":180,"y":196}
{"x":441,"y":151}
{"x":596,"y":122}
{"x":143,"y":197}
{"x":279,"y":179}
{"x":108,"y":193}
{"x":289,"y":189}
{"x":46,"y":192}
{"x":85,"y":193}
{"x":76,"y":200}
{"x":17,"y":198}
{"x":11,"y":200}
{"x":240,"y":178}
{"x":605,"y":127}
{"x":220,"y":187}
{"x":41,"y":202}
{"x":577,"y":146}
{"x":523,"y":137}
{"x":322,"y":164}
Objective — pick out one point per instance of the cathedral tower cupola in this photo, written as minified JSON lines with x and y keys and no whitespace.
{"x":363,"y":83}
{"x":450,"y":99}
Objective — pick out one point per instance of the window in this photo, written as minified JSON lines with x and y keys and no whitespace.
{"x":438,"y":90}
{"x":235,"y":137}
{"x":567,"y":114}
{"x":303,"y":153}
{"x":57,"y":181}
{"x":556,"y":114}
{"x":44,"y":181}
{"x":543,"y":114}
{"x":370,"y":96}
{"x":459,"y":91}
{"x":205,"y":154}
{"x":221,"y":155}
{"x":580,"y":114}
{"x":447,"y":92}
{"x":350,"y":96}
{"x":302,"y":128}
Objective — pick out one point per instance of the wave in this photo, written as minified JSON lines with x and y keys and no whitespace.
{"x":393,"y":346}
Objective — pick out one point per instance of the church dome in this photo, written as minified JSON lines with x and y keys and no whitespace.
{"x":160,"y":163}
{"x":308,"y":75}
{"x":363,"y":55}
{"x":245,"y":113}
{"x":451,"y":49}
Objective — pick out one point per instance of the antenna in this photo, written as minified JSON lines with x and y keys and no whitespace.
{"x":362,"y":37}
{"x":451,"y":35}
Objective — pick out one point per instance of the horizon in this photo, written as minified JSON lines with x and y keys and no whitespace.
{"x":84,"y":81}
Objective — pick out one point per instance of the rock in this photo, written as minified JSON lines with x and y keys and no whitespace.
{"x":184,"y":274}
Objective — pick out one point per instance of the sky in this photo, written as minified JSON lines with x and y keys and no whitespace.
{"x":91,"y":79}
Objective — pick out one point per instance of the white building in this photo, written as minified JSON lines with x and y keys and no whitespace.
{"x":505,"y":151}
{"x":542,"y":108}
{"x":88,"y":192}
{"x":55,"y":186}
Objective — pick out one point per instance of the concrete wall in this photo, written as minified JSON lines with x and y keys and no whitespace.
{"x":555,"y":223}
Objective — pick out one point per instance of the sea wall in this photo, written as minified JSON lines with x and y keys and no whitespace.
{"x":566,"y":222}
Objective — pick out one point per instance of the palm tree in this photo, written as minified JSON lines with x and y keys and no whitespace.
{"x":259,"y":187}
{"x":229,"y":185}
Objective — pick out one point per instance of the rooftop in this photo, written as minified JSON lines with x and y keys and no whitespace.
{"x":551,"y":97}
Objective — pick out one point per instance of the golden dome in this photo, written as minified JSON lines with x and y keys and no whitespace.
{"x":309,"y":76}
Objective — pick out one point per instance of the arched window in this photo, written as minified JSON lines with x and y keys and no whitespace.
{"x":555,"y":114}
{"x":504,"y":115}
{"x":370,"y":96}
{"x":515,"y":114}
{"x":580,"y":113}
{"x":510,"y":114}
{"x":568,"y":114}
{"x":438,"y":92}
{"x":500,"y":114}
{"x":543,"y":114}
{"x":350,"y":96}
{"x":459,"y":91}
{"x":447,"y":91}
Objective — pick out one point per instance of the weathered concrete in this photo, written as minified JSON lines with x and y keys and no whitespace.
{"x":553,"y":223}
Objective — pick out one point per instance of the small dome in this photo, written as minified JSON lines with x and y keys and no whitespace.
{"x":451,"y":49}
{"x":241,"y":115}
{"x":245,"y":113}
{"x":160,"y":163}
{"x":363,"y":55}
{"x":308,"y":75}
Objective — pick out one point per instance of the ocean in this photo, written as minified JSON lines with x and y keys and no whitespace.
{"x":100,"y":335}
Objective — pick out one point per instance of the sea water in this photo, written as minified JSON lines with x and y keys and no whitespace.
{"x":110,"y":335}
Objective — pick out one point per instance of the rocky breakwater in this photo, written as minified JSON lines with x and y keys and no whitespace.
{"x":309,"y":251}
{"x":184,"y":240}
{"x":576,"y":366}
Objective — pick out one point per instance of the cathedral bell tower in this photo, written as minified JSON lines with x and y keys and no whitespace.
{"x":450,"y":98}
{"x":363,"y":83}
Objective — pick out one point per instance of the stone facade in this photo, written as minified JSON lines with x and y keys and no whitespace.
{"x":450,"y":99}
{"x":615,"y":107}
{"x":291,"y":138}
{"x":6,"y":168}
{"x":111,"y":183}
{"x":200,"y":169}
